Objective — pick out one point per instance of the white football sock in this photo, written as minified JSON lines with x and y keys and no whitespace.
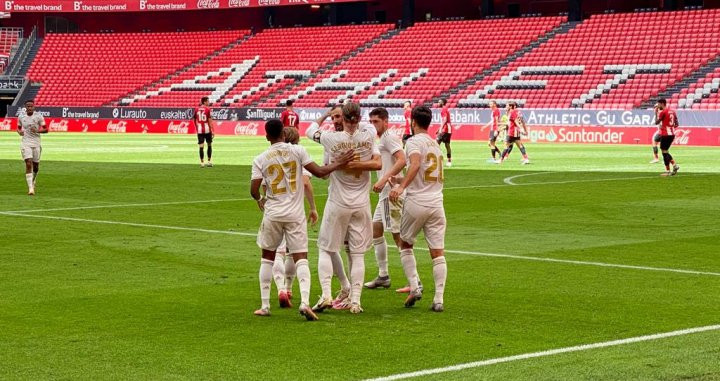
{"x":265,"y":281}
{"x":303,"y":274}
{"x":290,"y":268}
{"x":325,"y":272}
{"x":278,"y":271}
{"x":440,"y":275}
{"x":339,"y":270}
{"x":29,"y":179}
{"x":381,"y":255}
{"x":410,"y":267}
{"x":357,"y":275}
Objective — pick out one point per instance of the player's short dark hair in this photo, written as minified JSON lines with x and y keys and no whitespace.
{"x":351,"y":112}
{"x":512,"y":104}
{"x":291,"y":135}
{"x":443,"y":101}
{"x":289,"y":102}
{"x":380,"y":112}
{"x":339,"y":105}
{"x":273,"y":128}
{"x":204,"y":99}
{"x":422,"y":116}
{"x":407,"y":103}
{"x":662,"y":101}
{"x":30,"y":101}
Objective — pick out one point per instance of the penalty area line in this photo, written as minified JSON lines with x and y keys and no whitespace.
{"x":459,"y":252}
{"x":552,"y":352}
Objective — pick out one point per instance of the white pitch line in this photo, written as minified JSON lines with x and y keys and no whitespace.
{"x":109,"y":206}
{"x":584,"y":263}
{"x":461,"y":252}
{"x":323,"y":195}
{"x":552,"y":352}
{"x":134,"y":224}
{"x":509,"y":180}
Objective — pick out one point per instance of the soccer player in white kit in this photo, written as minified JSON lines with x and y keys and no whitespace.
{"x":30,"y":126}
{"x":347,"y":211}
{"x":284,"y":265}
{"x":387,"y":214}
{"x":423,"y":208}
{"x":279,"y":168}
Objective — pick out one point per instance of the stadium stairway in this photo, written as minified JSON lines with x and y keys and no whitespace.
{"x":684,"y":83}
{"x":182,"y":70}
{"x":385,"y":36}
{"x":30,"y":92}
{"x":25,"y":66}
{"x":561,"y":29}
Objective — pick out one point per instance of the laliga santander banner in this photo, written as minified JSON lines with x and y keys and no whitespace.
{"x":697,"y":136}
{"x":146,"y":5}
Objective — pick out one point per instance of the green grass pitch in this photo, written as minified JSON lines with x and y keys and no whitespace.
{"x":132,"y":262}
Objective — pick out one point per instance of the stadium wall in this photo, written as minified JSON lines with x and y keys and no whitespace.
{"x":698,"y":128}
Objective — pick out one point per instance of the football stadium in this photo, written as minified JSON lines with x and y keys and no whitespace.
{"x":360,"y":190}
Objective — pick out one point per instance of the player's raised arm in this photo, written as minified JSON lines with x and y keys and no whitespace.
{"x":314,"y":133}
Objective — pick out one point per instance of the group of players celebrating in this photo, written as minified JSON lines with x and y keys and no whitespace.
{"x":407,"y":204}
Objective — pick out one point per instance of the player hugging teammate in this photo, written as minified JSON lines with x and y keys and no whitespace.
{"x":352,"y":153}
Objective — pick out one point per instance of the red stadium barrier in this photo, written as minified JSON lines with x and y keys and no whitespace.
{"x":46,"y":6}
{"x":694,"y":136}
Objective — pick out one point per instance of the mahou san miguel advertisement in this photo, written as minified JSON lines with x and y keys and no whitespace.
{"x":701,"y":136}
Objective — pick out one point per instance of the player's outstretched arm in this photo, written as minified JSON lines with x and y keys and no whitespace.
{"x":323,"y":171}
{"x":413,"y":169}
{"x":374,"y":164}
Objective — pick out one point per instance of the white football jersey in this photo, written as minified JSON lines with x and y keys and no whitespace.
{"x":31,"y":139}
{"x":389,"y":145}
{"x":349,"y":188}
{"x":426,"y":189}
{"x":281,"y":169}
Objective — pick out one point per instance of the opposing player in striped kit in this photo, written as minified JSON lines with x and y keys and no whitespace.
{"x":205,"y":126}
{"x":279,"y":168}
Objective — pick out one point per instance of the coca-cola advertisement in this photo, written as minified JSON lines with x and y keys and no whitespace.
{"x":691,"y":136}
{"x":208,"y":4}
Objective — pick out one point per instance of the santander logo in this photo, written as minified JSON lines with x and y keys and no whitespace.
{"x":178,"y":128}
{"x":246,"y":129}
{"x":682,"y":137}
{"x":208,"y":4}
